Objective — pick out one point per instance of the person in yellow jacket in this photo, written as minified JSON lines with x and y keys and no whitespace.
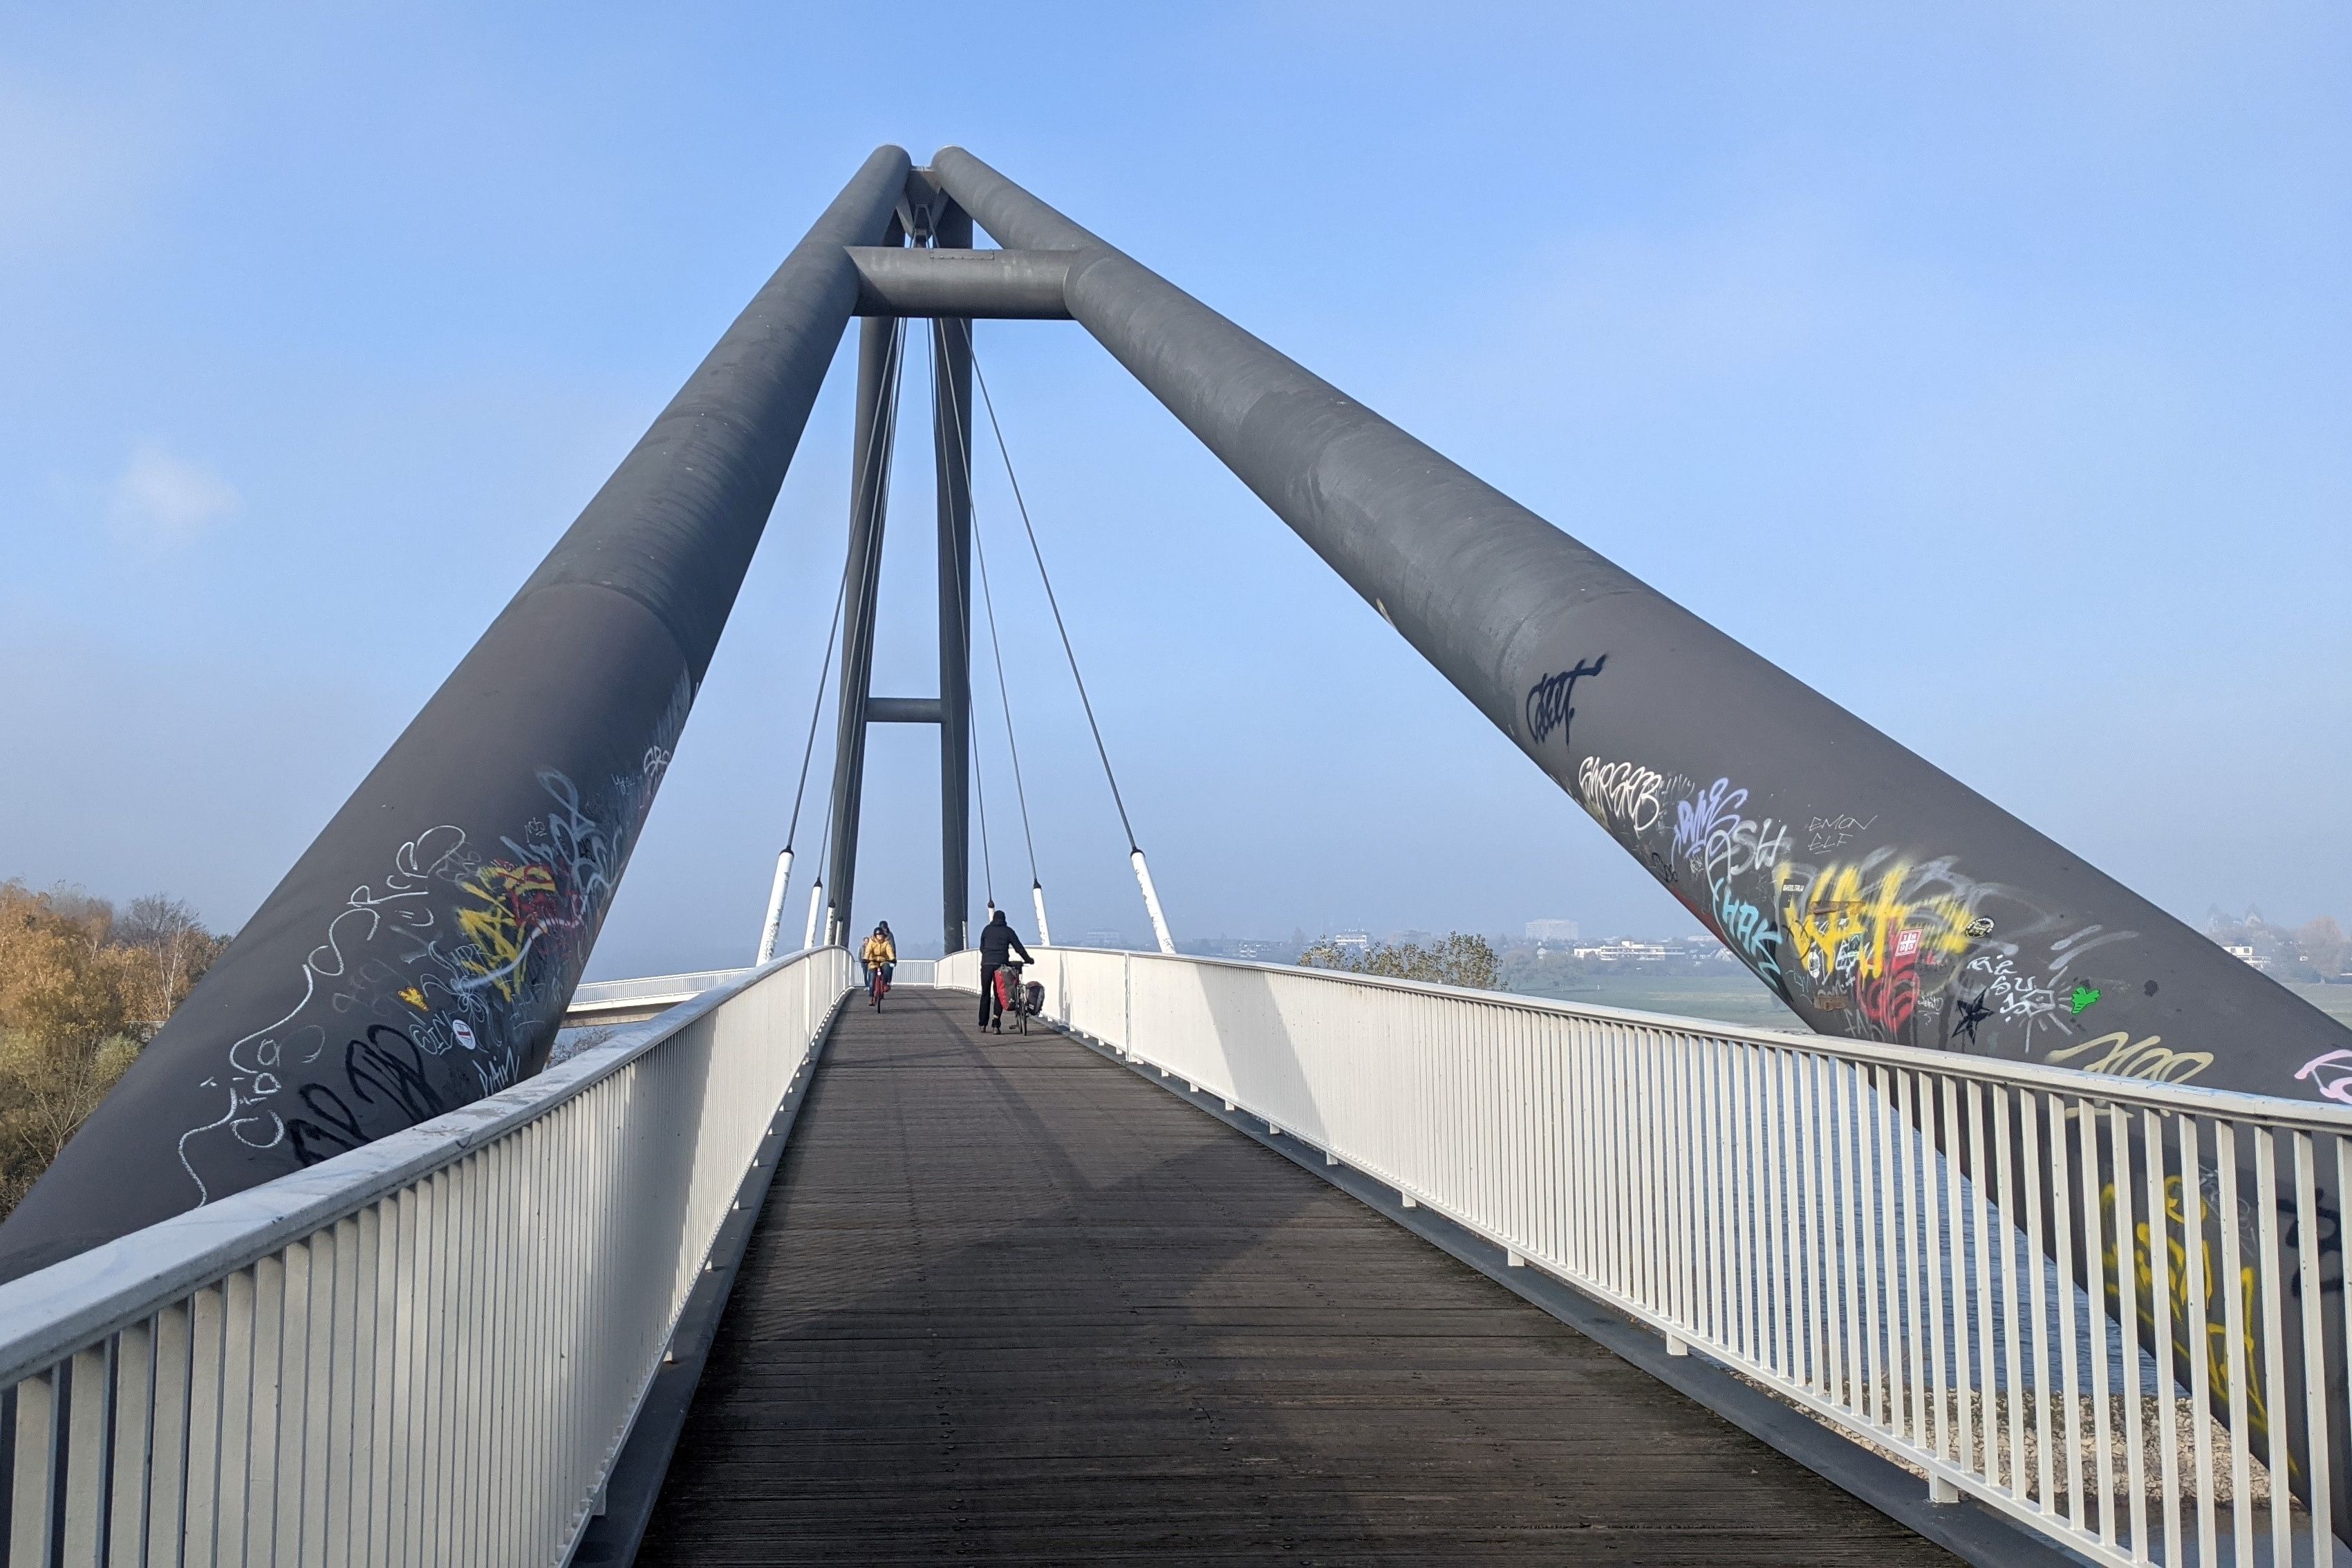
{"x":880,"y":955}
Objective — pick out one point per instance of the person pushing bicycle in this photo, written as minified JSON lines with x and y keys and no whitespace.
{"x":997,"y":943}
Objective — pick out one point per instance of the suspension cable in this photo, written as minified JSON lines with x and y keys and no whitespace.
{"x":1067,"y":651}
{"x":979,"y":788}
{"x":941,"y":388}
{"x":1004,"y":696}
{"x":816,"y":713}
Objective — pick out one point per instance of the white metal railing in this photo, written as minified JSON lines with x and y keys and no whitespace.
{"x":426,"y":1351}
{"x":916,"y":972}
{"x":2115,"y":1313}
{"x":667,"y":990}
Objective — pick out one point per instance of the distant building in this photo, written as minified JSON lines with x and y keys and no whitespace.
{"x":1362,"y":941}
{"x":1552,"y":931}
{"x":1626,"y":951}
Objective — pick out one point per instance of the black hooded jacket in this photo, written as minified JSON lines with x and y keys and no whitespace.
{"x":997,"y":939}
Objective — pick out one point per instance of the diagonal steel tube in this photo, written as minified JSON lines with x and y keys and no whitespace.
{"x":420,"y":953}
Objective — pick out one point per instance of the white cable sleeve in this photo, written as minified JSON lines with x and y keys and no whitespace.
{"x":773,"y":926}
{"x":1152,"y":904}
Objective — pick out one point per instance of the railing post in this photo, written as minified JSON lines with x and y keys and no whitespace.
{"x":32,"y":1494}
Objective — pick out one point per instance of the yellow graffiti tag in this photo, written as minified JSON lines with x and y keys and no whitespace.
{"x":2128,"y":1057}
{"x":1840,"y":908}
{"x":2175,"y":1286}
{"x":415,"y":997}
{"x":496,"y":928}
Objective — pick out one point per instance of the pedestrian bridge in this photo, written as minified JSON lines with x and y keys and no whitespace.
{"x":1230,"y":1261}
{"x":2031,"y":1248}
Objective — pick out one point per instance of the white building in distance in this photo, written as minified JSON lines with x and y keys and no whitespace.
{"x":1626,"y":951}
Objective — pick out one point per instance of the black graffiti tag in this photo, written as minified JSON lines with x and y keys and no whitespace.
{"x":1547,"y":701}
{"x":2331,"y":1239}
{"x":388,"y":1063}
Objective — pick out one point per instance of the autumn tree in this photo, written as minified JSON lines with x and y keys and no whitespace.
{"x":168,"y":949}
{"x":2321,"y":945}
{"x":2313,"y":951}
{"x":81,"y":993}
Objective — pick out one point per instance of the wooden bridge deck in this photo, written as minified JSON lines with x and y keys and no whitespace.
{"x":1008,"y":1303}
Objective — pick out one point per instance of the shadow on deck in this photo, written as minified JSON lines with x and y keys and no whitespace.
{"x":1008,"y":1303}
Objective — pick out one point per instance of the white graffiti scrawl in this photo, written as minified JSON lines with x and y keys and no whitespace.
{"x":1623,"y":793}
{"x":437,"y":982}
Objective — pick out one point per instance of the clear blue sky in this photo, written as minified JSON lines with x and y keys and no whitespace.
{"x":1989,"y":368}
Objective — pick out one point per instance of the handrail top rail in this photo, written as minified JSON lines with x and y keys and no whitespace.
{"x":2279,"y":1109}
{"x":78,"y":1300}
{"x":647,"y":987}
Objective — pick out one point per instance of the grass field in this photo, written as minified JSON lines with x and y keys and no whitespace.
{"x":2335,"y":1000}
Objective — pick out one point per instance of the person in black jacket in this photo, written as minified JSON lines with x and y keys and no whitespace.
{"x":997,"y":939}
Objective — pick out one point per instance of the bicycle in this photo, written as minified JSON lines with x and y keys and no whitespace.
{"x":1015,"y":999}
{"x":879,"y":986}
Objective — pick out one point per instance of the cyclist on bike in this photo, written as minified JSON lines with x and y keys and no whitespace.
{"x":880,"y":956}
{"x":997,"y":941}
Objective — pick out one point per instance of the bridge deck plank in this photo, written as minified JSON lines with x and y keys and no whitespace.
{"x":1007,"y":1303}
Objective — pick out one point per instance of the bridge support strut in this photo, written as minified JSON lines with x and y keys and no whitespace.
{"x":881,"y":347}
{"x":880,"y":344}
{"x":951,"y":461}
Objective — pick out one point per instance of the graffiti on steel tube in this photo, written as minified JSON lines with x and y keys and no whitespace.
{"x":2331,"y":1074}
{"x":2171,"y":1255}
{"x":1549,"y":702}
{"x":439,"y":981}
{"x":1874,"y":941}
